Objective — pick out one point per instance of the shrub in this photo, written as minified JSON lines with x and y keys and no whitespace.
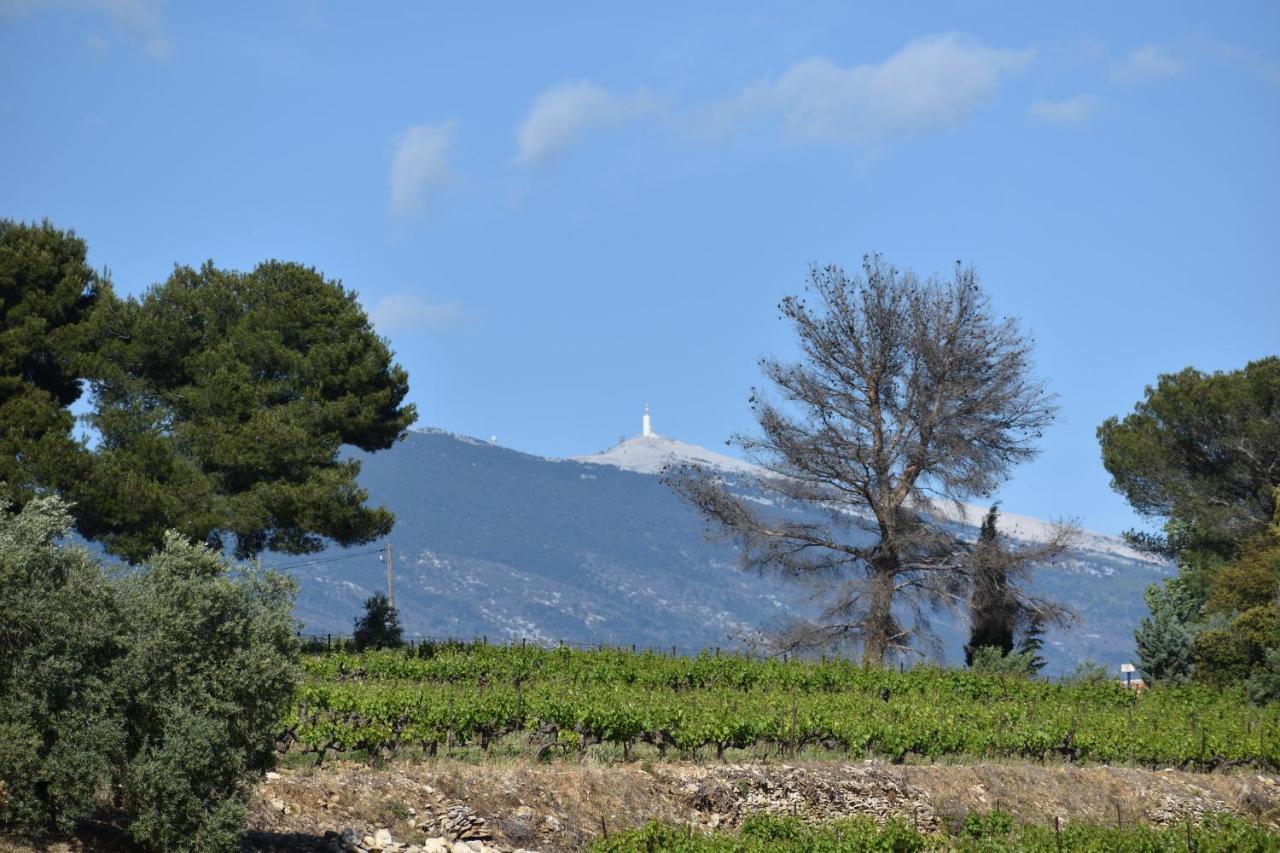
{"x":993,"y":660}
{"x":1264,"y":685}
{"x":157,"y":692}
{"x":209,"y":673}
{"x":60,"y":725}
{"x":1089,"y":672}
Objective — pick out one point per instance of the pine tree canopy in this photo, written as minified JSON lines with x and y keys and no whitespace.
{"x":1202,"y":451}
{"x":48,"y":294}
{"x":222,"y":400}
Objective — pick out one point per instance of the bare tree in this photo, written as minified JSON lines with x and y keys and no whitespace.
{"x":905,"y":391}
{"x":1002,"y":606}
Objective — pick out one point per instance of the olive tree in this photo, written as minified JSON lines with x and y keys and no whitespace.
{"x":156,"y":694}
{"x":905,"y":391}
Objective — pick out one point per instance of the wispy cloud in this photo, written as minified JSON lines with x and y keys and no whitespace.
{"x":419,"y":162}
{"x":1150,"y":62}
{"x":1255,"y":62}
{"x":561,"y":114}
{"x":1074,"y":110}
{"x":138,"y":19}
{"x":409,"y":312}
{"x":931,"y":84}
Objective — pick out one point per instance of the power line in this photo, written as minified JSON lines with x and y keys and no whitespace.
{"x":324,"y":560}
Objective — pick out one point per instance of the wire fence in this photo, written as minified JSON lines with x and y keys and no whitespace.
{"x":337,"y":641}
{"x":315,"y":642}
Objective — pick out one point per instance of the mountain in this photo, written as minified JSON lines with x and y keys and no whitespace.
{"x":489,"y":541}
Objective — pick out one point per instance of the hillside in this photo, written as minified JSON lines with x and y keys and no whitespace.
{"x":490,"y":541}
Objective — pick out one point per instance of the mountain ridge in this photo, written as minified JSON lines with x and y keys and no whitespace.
{"x":494,"y":541}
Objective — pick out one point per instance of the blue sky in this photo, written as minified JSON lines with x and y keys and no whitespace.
{"x":558,"y":213}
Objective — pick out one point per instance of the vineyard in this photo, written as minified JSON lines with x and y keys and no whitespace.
{"x":564,"y":701}
{"x":980,"y":834}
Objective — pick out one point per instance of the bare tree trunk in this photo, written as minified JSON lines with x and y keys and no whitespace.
{"x":879,"y":624}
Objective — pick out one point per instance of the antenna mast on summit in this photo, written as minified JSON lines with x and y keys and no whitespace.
{"x":646,"y":429}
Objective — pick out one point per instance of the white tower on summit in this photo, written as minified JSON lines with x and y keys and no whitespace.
{"x":646,"y":428}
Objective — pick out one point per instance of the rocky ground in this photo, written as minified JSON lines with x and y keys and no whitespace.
{"x":565,"y":807}
{"x":454,"y":807}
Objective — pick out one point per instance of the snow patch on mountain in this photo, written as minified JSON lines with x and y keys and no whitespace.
{"x":649,"y":454}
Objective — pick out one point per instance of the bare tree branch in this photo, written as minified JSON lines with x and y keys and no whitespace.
{"x":904,"y":389}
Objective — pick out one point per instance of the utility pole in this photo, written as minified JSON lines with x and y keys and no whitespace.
{"x":391,"y":588}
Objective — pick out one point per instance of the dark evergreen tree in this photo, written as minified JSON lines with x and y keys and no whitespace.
{"x":1032,"y":643}
{"x":48,"y":296}
{"x":1199,"y":452}
{"x":1001,"y":608}
{"x":993,"y":611}
{"x":1166,"y":638}
{"x":379,"y":626}
{"x":222,"y":400}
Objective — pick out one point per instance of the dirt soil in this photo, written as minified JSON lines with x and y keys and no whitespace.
{"x":556,"y":807}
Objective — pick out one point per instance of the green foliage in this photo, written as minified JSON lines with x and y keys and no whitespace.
{"x":993,"y":610}
{"x":1263,"y":685}
{"x":158,"y":692}
{"x":1001,"y":611}
{"x":60,"y":723}
{"x":1228,"y":654}
{"x":993,"y":823}
{"x":48,"y":296}
{"x":993,"y":660}
{"x":1250,"y":580}
{"x":379,"y":626}
{"x":222,"y":399}
{"x":1090,"y":672}
{"x":1198,"y":450}
{"x":1031,"y":644}
{"x":209,"y":675}
{"x":1166,"y":638}
{"x":438,"y":695}
{"x":989,"y":833}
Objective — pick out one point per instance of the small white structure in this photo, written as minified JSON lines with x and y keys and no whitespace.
{"x":646,"y":428}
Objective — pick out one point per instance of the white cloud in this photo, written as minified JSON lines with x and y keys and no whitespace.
{"x":1252,"y":60}
{"x":419,"y":162}
{"x":1146,"y":63}
{"x":932,"y":83}
{"x":564,"y":112}
{"x":140,"y":19}
{"x":1074,"y":110}
{"x":409,"y":312}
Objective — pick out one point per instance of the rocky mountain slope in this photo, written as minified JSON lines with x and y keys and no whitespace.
{"x":493,"y":542}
